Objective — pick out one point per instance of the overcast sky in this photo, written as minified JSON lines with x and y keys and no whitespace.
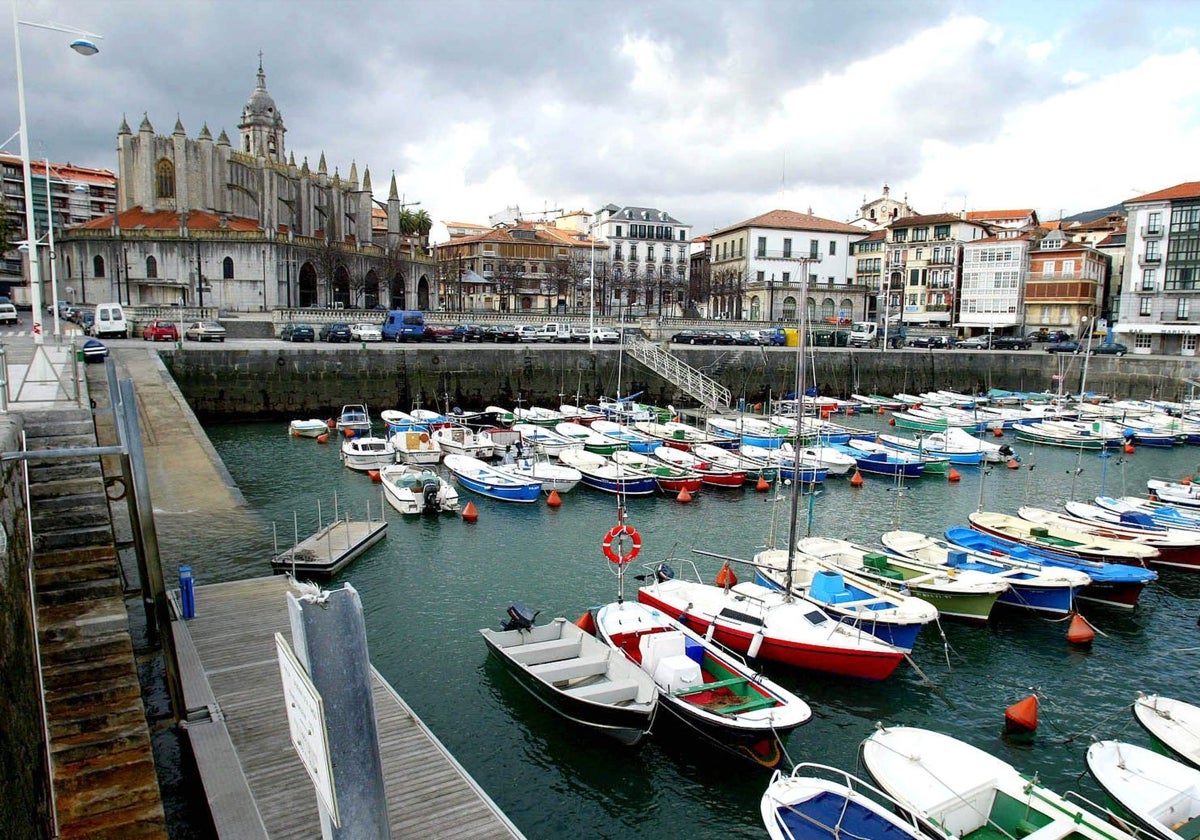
{"x":711,"y":111}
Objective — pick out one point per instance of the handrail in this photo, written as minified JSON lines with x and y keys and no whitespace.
{"x":705,"y":390}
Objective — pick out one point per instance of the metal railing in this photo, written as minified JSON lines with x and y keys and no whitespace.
{"x":692,"y":382}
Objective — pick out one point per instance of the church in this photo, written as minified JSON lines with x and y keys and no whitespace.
{"x":241,"y":228}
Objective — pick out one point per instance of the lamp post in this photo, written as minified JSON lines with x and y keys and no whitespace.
{"x":53,"y":261}
{"x":83,"y":47}
{"x":592,"y":289}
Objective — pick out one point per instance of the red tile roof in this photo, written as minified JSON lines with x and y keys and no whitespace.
{"x":791,"y":220}
{"x":1188,"y":189}
{"x":66,"y":171}
{"x":136,"y":218}
{"x":934,"y":219}
{"x":992,"y":215}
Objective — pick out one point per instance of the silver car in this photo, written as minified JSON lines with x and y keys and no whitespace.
{"x":204,"y":331}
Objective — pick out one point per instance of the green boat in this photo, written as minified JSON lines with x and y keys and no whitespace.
{"x":965,"y":594}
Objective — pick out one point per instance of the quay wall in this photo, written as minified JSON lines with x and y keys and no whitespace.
{"x":290,"y":382}
{"x":24,"y":804}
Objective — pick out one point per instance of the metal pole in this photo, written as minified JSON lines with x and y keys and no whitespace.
{"x":53,"y":262}
{"x":35,"y":277}
{"x":592,"y":289}
{"x":330,"y":639}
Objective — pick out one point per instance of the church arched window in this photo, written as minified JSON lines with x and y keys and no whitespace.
{"x":97,"y":266}
{"x":151,"y":268}
{"x":227,"y":268}
{"x":271,"y":144}
{"x":164,"y":179}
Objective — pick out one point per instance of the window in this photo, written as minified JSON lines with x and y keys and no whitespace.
{"x":151,"y":267}
{"x":619,"y":233}
{"x":920,"y":234}
{"x":1189,"y":343}
{"x":787,"y":248}
{"x":164,"y":179}
{"x":762,"y":246}
{"x":1143,"y":342}
{"x":1154,"y":222}
{"x":941,"y":231}
{"x":827,"y":308}
{"x":1149,"y":278}
{"x":1048,"y":268}
{"x":1152,"y":250}
{"x":227,"y":268}
{"x":762,"y":275}
{"x":900,"y":235}
{"x":1068,"y":268}
{"x":741,"y":247}
{"x":1181,"y":309}
{"x":1146,"y":303}
{"x":681,"y":236}
{"x":787,"y":277}
{"x":832,"y":247}
{"x":97,"y":266}
{"x":920,"y":254}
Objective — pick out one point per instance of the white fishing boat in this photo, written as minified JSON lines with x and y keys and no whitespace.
{"x":413,"y":490}
{"x":552,"y":476}
{"x":354,"y":418}
{"x":415,"y":447}
{"x":401,"y":421}
{"x":972,"y":794}
{"x":1173,"y":723}
{"x":545,"y":441}
{"x":460,"y":440}
{"x":586,"y":415}
{"x":1160,"y":794}
{"x":737,"y":460}
{"x":1174,"y":492}
{"x":367,"y":453}
{"x":589,"y":438}
{"x":538,"y":415}
{"x":308,"y":428}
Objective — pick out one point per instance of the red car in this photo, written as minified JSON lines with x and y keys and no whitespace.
{"x":160,"y":331}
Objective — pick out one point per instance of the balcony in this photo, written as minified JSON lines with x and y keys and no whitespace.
{"x":942,"y":259}
{"x":937,"y":307}
{"x":1149,"y":259}
{"x":1176,"y":318}
{"x":793,"y":255}
{"x":1149,"y":232}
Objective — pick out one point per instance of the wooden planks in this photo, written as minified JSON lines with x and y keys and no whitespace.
{"x":329,"y":550}
{"x":254,"y":781}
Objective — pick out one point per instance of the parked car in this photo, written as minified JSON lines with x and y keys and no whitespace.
{"x":334,"y":333}
{"x":87,"y":321}
{"x":1071,"y":346}
{"x":204,"y":331}
{"x":1110,"y":348}
{"x":528,"y":332}
{"x":468,"y":332}
{"x":1010,"y":342}
{"x":8,"y":314}
{"x":438,"y":332}
{"x":579,"y":334}
{"x":604,"y":335}
{"x":628,"y":333}
{"x":691,"y":337}
{"x":979,"y":342}
{"x":745,"y":338}
{"x":366,"y":332}
{"x":160,"y":331}
{"x":297,"y":332}
{"x":943,"y":341}
{"x":1048,"y":336}
{"x":497,"y":333}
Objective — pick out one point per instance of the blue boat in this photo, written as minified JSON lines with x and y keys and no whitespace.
{"x":1031,"y":586}
{"x":882,"y":463}
{"x":602,"y":474}
{"x":484,"y":479}
{"x":920,"y":446}
{"x":1165,"y":515}
{"x":808,"y":475}
{"x":637,"y":441}
{"x":1113,"y":584}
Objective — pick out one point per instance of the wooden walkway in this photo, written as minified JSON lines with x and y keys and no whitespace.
{"x":331,"y":549}
{"x":238,"y":728}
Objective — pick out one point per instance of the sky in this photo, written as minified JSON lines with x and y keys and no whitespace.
{"x":711,"y":111}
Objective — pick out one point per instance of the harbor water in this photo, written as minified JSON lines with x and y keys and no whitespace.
{"x":431,"y":584}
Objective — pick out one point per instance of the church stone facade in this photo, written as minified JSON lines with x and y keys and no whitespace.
{"x":201,"y":222}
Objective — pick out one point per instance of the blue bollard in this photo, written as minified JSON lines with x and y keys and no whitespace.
{"x":187,"y":592}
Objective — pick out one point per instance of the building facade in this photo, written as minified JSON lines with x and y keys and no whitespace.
{"x":1160,"y":289}
{"x":1065,"y":285}
{"x":990,"y":296}
{"x":76,"y":195}
{"x":869,"y":262}
{"x":648,"y":253}
{"x":201,"y":222}
{"x":924,"y":265}
{"x":757,"y":267}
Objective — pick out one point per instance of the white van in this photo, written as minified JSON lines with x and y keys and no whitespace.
{"x":555,"y":331}
{"x":8,"y":314}
{"x":110,"y":320}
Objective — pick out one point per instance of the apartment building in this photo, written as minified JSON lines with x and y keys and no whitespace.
{"x":993,"y":274}
{"x":1160,"y":289}
{"x":869,"y":272}
{"x":1065,"y":285}
{"x":756,"y":267}
{"x":924,"y":262}
{"x":649,"y":253}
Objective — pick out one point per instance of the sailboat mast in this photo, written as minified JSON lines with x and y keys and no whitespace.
{"x":800,"y":371}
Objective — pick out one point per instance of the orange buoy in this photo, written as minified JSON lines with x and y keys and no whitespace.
{"x":331,"y":423}
{"x":850,"y":411}
{"x":1012,"y":464}
{"x":374,"y":475}
{"x":825,"y":412}
{"x":1129,"y":449}
{"x":684,"y":496}
{"x":323,"y":438}
{"x":726,"y":577}
{"x":587,"y":623}
{"x":762,"y":485}
{"x":1186,"y":480}
{"x":294,"y":433}
{"x":553,"y":500}
{"x":469,"y":513}
{"x":953,"y":475}
{"x":758,"y":407}
{"x":856,"y":480}
{"x":348,"y":432}
{"x":891,"y":421}
{"x":1080,"y":632}
{"x":1022,"y":717}
{"x":997,"y":433}
{"x":1152,"y":497}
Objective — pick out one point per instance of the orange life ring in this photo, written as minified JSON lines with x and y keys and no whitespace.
{"x":616,"y":533}
{"x":424,"y":437}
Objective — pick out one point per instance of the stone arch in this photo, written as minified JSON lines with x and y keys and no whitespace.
{"x":306,"y":286}
{"x":340,"y":292}
{"x":227,"y":268}
{"x":397,"y":292}
{"x":164,"y":179}
{"x":828,"y":308}
{"x":810,"y":309}
{"x":526,"y":303}
{"x":423,"y":293}
{"x":789,"y":309}
{"x":755,"y":308}
{"x":151,"y":267}
{"x":97,"y":266}
{"x":846,"y":309}
{"x":371,"y":290}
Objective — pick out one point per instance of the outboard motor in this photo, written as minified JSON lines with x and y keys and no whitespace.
{"x":520,"y":617}
{"x":663,"y":572}
{"x":429,"y":492}
{"x":1006,"y":450}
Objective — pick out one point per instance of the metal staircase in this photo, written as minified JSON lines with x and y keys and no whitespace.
{"x":692,"y":382}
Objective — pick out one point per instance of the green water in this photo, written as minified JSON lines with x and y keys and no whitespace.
{"x":431,"y":584}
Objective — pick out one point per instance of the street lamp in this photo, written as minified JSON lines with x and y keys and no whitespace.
{"x":83,"y":47}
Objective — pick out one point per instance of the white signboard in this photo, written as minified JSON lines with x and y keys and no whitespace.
{"x":306,"y":720}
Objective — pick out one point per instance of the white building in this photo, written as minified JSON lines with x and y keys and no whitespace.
{"x":993,"y":279}
{"x":648,"y":259}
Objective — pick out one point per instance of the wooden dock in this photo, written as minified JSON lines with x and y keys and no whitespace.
{"x":237,"y":725}
{"x":329,"y":550}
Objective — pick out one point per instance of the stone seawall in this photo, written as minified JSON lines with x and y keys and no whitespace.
{"x":290,"y":382}
{"x":24,"y":803}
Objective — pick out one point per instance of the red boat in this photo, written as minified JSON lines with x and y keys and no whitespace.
{"x":710,"y":473}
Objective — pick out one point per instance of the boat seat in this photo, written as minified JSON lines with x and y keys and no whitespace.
{"x":570,"y":669}
{"x":536,"y":653}
{"x":1055,"y":830}
{"x":711,"y":686}
{"x":612,"y":691}
{"x":756,"y":702}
